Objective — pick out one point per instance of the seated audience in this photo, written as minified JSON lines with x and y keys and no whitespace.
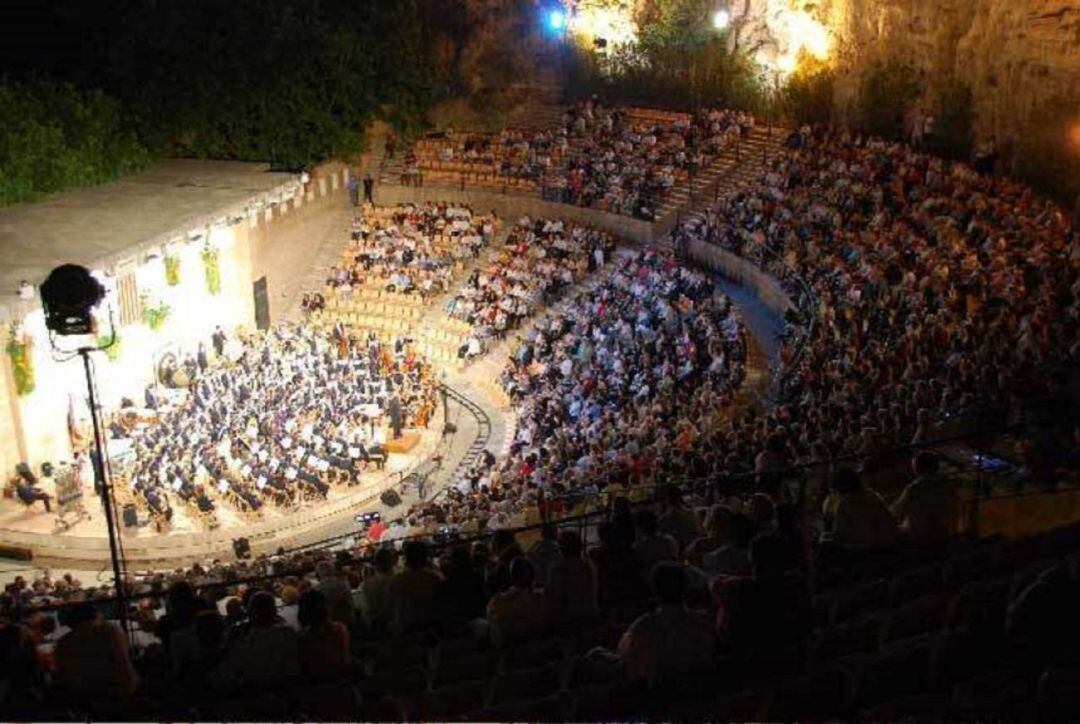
{"x":520,"y":612}
{"x":671,"y":639}
{"x":323,"y":642}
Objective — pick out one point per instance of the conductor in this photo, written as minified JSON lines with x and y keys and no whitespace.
{"x":394,"y":410}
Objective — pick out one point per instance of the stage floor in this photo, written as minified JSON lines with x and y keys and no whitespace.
{"x":188,"y":540}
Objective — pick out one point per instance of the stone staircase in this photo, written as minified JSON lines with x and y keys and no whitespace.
{"x":735,"y":165}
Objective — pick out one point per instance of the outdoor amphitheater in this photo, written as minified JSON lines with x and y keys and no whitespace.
{"x":617,"y":411}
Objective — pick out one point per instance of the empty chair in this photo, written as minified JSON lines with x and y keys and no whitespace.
{"x":825,"y":692}
{"x":980,"y":607}
{"x":861,"y":598}
{"x":537,"y":653}
{"x":547,"y":708}
{"x":742,"y":706}
{"x":931,"y":706}
{"x":963,"y":654}
{"x":461,"y":667}
{"x":326,"y":702}
{"x":1059,"y":694}
{"x":606,"y":702}
{"x":449,"y":702}
{"x":915,"y":582}
{"x":853,"y":637}
{"x":981,"y":563}
{"x":395,"y":681}
{"x":925,"y":615}
{"x":894,"y":673}
{"x":1003,"y":694}
{"x":396,"y":655}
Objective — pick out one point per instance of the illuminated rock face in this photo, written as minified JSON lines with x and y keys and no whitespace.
{"x":1016,"y":55}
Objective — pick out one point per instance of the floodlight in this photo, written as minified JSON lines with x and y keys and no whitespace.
{"x":69,"y":295}
{"x":721,"y":19}
{"x":557,"y":20}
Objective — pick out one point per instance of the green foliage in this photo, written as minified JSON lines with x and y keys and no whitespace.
{"x":289,"y":81}
{"x":887,"y":92}
{"x":112,"y":352}
{"x":808,"y":95}
{"x":172,"y":269}
{"x":679,"y":61}
{"x":55,"y":137}
{"x":20,"y":351}
{"x":292,"y":82}
{"x":212,"y":269}
{"x":155,"y":316}
{"x":952,"y":133}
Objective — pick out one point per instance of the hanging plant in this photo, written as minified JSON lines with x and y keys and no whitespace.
{"x":212,"y":269}
{"x":172,"y":269}
{"x":112,"y":352}
{"x":154,"y":315}
{"x":20,"y":350}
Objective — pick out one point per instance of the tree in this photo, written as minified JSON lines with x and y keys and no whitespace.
{"x":808,"y":95}
{"x":887,"y":93}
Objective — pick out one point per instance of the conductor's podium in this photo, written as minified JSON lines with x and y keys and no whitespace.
{"x":408,"y":440}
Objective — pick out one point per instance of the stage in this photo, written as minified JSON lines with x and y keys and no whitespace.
{"x":85,"y":544}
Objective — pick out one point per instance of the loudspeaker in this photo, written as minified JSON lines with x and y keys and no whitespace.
{"x":390,"y":498}
{"x":130,"y":515}
{"x":15,"y":553}
{"x":242,"y":548}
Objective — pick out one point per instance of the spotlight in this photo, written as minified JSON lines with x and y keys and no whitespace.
{"x":721,"y":19}
{"x":557,"y":20}
{"x":68,"y":295}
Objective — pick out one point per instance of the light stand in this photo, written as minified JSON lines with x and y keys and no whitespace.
{"x":102,"y":483}
{"x":69,"y":296}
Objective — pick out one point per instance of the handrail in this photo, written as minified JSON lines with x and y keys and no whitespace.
{"x":482,"y":419}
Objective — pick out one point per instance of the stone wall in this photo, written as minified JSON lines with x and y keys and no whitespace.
{"x":746,"y":273}
{"x":282,"y":240}
{"x":1017,"y":56}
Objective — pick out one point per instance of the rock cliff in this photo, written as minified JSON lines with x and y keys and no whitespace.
{"x":1017,"y":56}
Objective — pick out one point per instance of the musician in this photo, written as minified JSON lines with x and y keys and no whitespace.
{"x":158,"y":503}
{"x":29,"y":493}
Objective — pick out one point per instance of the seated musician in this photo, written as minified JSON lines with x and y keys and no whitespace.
{"x":203,"y":500}
{"x":158,"y":503}
{"x":29,"y":493}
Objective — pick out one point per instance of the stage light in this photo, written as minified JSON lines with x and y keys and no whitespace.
{"x":557,"y":20}
{"x":69,"y":295}
{"x":721,"y":19}
{"x":787,"y":63}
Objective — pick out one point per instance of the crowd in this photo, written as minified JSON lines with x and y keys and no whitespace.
{"x":624,"y":383}
{"x":661,"y":596}
{"x":926,"y":291}
{"x":410,"y":248}
{"x":285,"y":414}
{"x":540,"y":258}
{"x":627,"y":164}
{"x":933,"y":293}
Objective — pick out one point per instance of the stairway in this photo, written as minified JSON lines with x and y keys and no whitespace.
{"x":735,"y":165}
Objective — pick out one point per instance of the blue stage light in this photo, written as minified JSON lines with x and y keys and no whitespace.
{"x":557,"y":20}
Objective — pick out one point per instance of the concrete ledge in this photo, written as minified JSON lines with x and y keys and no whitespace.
{"x":511,"y":206}
{"x":765,"y":287}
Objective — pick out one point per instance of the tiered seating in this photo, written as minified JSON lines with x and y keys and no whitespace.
{"x":911,"y":637}
{"x":513,"y":158}
{"x":372,"y":308}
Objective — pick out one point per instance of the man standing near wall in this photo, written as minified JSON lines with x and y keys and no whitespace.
{"x":369,"y":188}
{"x":354,"y":190}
